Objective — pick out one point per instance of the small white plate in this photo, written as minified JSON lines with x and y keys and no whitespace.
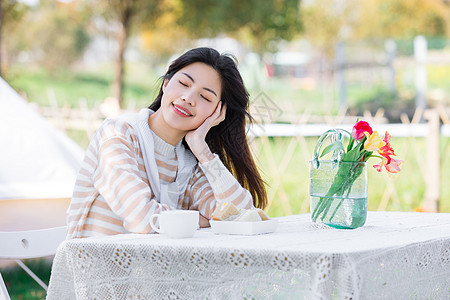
{"x":244,"y":228}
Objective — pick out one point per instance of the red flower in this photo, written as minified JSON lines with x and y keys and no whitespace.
{"x":387,"y":149}
{"x":359,"y":129}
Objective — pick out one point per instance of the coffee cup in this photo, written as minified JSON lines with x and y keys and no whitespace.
{"x":176,"y":223}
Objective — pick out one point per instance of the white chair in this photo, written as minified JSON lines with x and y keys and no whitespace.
{"x":17,"y":245}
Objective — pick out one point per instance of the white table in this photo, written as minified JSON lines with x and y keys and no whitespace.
{"x":394,"y":256}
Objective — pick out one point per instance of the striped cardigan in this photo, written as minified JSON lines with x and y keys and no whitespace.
{"x":112,"y":194}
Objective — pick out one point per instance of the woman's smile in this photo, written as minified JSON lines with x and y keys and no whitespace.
{"x":181,"y":111}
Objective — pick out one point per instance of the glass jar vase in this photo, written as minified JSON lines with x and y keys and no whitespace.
{"x":338,"y":193}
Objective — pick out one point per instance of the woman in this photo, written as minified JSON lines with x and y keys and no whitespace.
{"x":181,"y":153}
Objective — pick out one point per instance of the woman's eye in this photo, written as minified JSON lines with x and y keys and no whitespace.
{"x":205,"y":98}
{"x":182,"y":83}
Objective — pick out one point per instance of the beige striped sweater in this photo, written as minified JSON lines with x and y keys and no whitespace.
{"x":112,"y":194}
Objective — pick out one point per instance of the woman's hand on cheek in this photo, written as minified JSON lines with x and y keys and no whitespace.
{"x":218,"y":115}
{"x":196,"y":138}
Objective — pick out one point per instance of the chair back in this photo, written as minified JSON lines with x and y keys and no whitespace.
{"x":31,"y":243}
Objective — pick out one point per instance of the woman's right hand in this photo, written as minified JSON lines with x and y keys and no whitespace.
{"x":196,"y":138}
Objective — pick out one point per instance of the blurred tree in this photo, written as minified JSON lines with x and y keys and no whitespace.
{"x":327,"y":22}
{"x":129,"y":15}
{"x":57,"y":36}
{"x":269,"y":22}
{"x":11,"y":12}
{"x":261,"y":21}
{"x":165,"y":37}
{"x":402,"y":18}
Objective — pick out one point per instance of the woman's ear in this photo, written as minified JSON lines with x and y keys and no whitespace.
{"x":166,"y":81}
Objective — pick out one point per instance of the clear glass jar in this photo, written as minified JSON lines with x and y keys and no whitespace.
{"x":338,"y":193}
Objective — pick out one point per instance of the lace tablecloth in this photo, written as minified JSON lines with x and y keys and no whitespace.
{"x":394,"y":256}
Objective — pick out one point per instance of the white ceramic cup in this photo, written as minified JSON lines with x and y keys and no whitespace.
{"x":176,"y":223}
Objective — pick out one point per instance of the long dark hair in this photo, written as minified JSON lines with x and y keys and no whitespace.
{"x":228,"y":139}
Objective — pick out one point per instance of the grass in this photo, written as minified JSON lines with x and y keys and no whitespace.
{"x":403,"y":192}
{"x":439,"y":77}
{"x":21,"y":286}
{"x":66,"y":88}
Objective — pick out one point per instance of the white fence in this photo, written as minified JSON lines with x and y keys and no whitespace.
{"x":430,"y":124}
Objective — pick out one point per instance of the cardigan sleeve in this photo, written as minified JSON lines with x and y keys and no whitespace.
{"x":118,"y":178}
{"x":213,"y":184}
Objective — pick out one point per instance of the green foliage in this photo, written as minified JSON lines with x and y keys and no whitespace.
{"x":38,"y":85}
{"x":134,"y":15}
{"x":55,"y":35}
{"x":324,"y":21}
{"x":336,"y":146}
{"x":266,"y":21}
{"x":438,"y":77}
{"x":405,"y":46}
{"x":21,"y":286}
{"x":125,"y":15}
{"x":11,"y":14}
{"x":65,"y":50}
{"x":328,"y":22}
{"x":13,"y":11}
{"x":271,"y":21}
{"x":401,"y":19}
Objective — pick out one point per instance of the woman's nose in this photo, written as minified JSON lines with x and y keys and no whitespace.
{"x":189,"y":97}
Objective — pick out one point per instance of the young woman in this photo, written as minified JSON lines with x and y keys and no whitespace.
{"x":188,"y":150}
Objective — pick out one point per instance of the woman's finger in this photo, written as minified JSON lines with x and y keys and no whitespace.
{"x":223,"y":111}
{"x":221,"y":116}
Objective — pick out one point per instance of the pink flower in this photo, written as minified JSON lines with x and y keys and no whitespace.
{"x":359,"y":129}
{"x":392,"y":165}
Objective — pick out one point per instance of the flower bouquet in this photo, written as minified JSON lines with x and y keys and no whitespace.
{"x":338,"y":187}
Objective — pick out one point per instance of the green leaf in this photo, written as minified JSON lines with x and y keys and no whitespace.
{"x":361,"y":143}
{"x":336,"y":146}
{"x":352,"y":155}
{"x":350,"y":144}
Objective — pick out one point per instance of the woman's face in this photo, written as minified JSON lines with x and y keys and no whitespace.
{"x":190,"y":96}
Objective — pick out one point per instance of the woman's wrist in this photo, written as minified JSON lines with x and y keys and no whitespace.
{"x":203,"y":153}
{"x":205,"y":156}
